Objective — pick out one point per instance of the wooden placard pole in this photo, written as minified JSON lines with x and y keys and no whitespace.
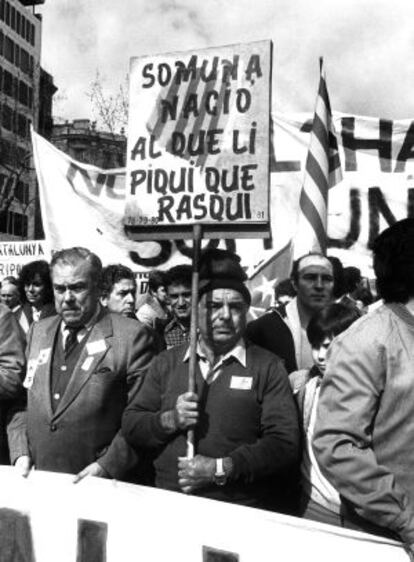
{"x":197,"y":236}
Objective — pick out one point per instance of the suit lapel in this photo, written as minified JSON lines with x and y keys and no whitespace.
{"x":44,"y":363}
{"x":92,"y":354}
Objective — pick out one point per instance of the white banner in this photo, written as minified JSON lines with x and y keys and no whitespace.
{"x":48,"y":518}
{"x":83,"y":205}
{"x":14,"y":255}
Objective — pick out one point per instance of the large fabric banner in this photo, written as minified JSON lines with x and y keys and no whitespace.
{"x":377,"y":159}
{"x":47,"y":518}
{"x":83,"y":205}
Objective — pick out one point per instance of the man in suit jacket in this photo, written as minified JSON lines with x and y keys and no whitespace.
{"x":82,"y":366}
{"x":12,"y":363}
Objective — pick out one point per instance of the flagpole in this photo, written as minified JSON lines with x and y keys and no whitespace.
{"x":197,"y":237}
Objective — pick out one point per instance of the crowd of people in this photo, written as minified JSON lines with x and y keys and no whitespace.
{"x":305,"y":410}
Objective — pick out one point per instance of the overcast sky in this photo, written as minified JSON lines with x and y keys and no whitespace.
{"x":367,"y":45}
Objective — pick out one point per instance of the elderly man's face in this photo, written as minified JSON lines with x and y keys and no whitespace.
{"x":76,"y":292}
{"x":9,"y":295}
{"x":222,"y":318}
{"x":314,"y":287}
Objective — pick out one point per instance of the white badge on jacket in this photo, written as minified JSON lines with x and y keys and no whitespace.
{"x":241,"y":383}
{"x":32,"y":365}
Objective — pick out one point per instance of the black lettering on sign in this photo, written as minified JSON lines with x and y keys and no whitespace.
{"x":92,"y":536}
{"x":407,"y":150}
{"x":153,"y":261}
{"x":354,"y":226}
{"x":351,"y":144}
{"x":410,"y":203}
{"x":216,"y":555}
{"x":377,"y":205}
{"x":16,"y":543}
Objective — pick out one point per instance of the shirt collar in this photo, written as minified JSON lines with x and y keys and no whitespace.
{"x":238,"y":352}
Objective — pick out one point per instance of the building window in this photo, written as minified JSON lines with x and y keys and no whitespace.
{"x":7,"y":117}
{"x":8,"y":83}
{"x":27,"y":31}
{"x":22,"y":126}
{"x":9,"y":49}
{"x":17,"y":22}
{"x":2,"y":9}
{"x":16,"y":224}
{"x":23,"y":93}
{"x":17,"y":55}
{"x":22,"y":192}
{"x":32,"y":34}
{"x":1,"y":42}
{"x":7,"y":13}
{"x":24,"y":61}
{"x":13,"y":18}
{"x":22,"y":26}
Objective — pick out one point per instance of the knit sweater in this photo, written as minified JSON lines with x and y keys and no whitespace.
{"x":247,"y":413}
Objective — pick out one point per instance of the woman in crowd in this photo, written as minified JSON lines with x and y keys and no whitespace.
{"x":36,"y":293}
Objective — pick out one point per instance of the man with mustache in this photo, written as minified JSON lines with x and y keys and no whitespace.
{"x":83,"y":366}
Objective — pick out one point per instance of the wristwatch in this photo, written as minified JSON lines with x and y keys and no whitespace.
{"x":220,"y":477}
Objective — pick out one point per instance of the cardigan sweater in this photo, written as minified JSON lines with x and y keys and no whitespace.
{"x":247,"y":414}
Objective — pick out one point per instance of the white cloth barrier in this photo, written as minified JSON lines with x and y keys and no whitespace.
{"x":146,"y":524}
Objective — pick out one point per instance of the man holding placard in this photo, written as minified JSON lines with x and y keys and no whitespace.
{"x":243,"y":414}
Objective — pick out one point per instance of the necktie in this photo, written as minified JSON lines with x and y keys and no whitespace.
{"x":72,"y":338}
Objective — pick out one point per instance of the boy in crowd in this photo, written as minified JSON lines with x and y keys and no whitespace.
{"x":320,"y":501}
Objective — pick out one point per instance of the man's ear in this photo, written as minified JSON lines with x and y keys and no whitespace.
{"x":104,"y":301}
{"x":294,"y":284}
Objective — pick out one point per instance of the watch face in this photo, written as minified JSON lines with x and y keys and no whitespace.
{"x":220,"y":479}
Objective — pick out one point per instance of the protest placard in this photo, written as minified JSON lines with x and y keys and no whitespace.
{"x":198,"y":140}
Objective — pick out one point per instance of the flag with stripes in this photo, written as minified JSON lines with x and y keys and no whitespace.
{"x":322,"y":171}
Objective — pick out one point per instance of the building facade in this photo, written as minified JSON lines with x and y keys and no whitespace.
{"x":20,"y":107}
{"x":84,"y":143}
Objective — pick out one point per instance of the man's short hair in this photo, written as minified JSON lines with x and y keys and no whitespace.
{"x":332,"y":320}
{"x":11,"y":279}
{"x":284,"y":287}
{"x":115,"y":273}
{"x":352,"y":278}
{"x":180,"y":275}
{"x":74,"y":256}
{"x":28,"y":273}
{"x":157,"y":279}
{"x":394,"y":262}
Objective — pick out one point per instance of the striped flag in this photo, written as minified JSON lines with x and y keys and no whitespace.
{"x":322,"y":171}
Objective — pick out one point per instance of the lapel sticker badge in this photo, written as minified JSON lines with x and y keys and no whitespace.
{"x":30,"y":373}
{"x":94,"y":347}
{"x":241,"y":383}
